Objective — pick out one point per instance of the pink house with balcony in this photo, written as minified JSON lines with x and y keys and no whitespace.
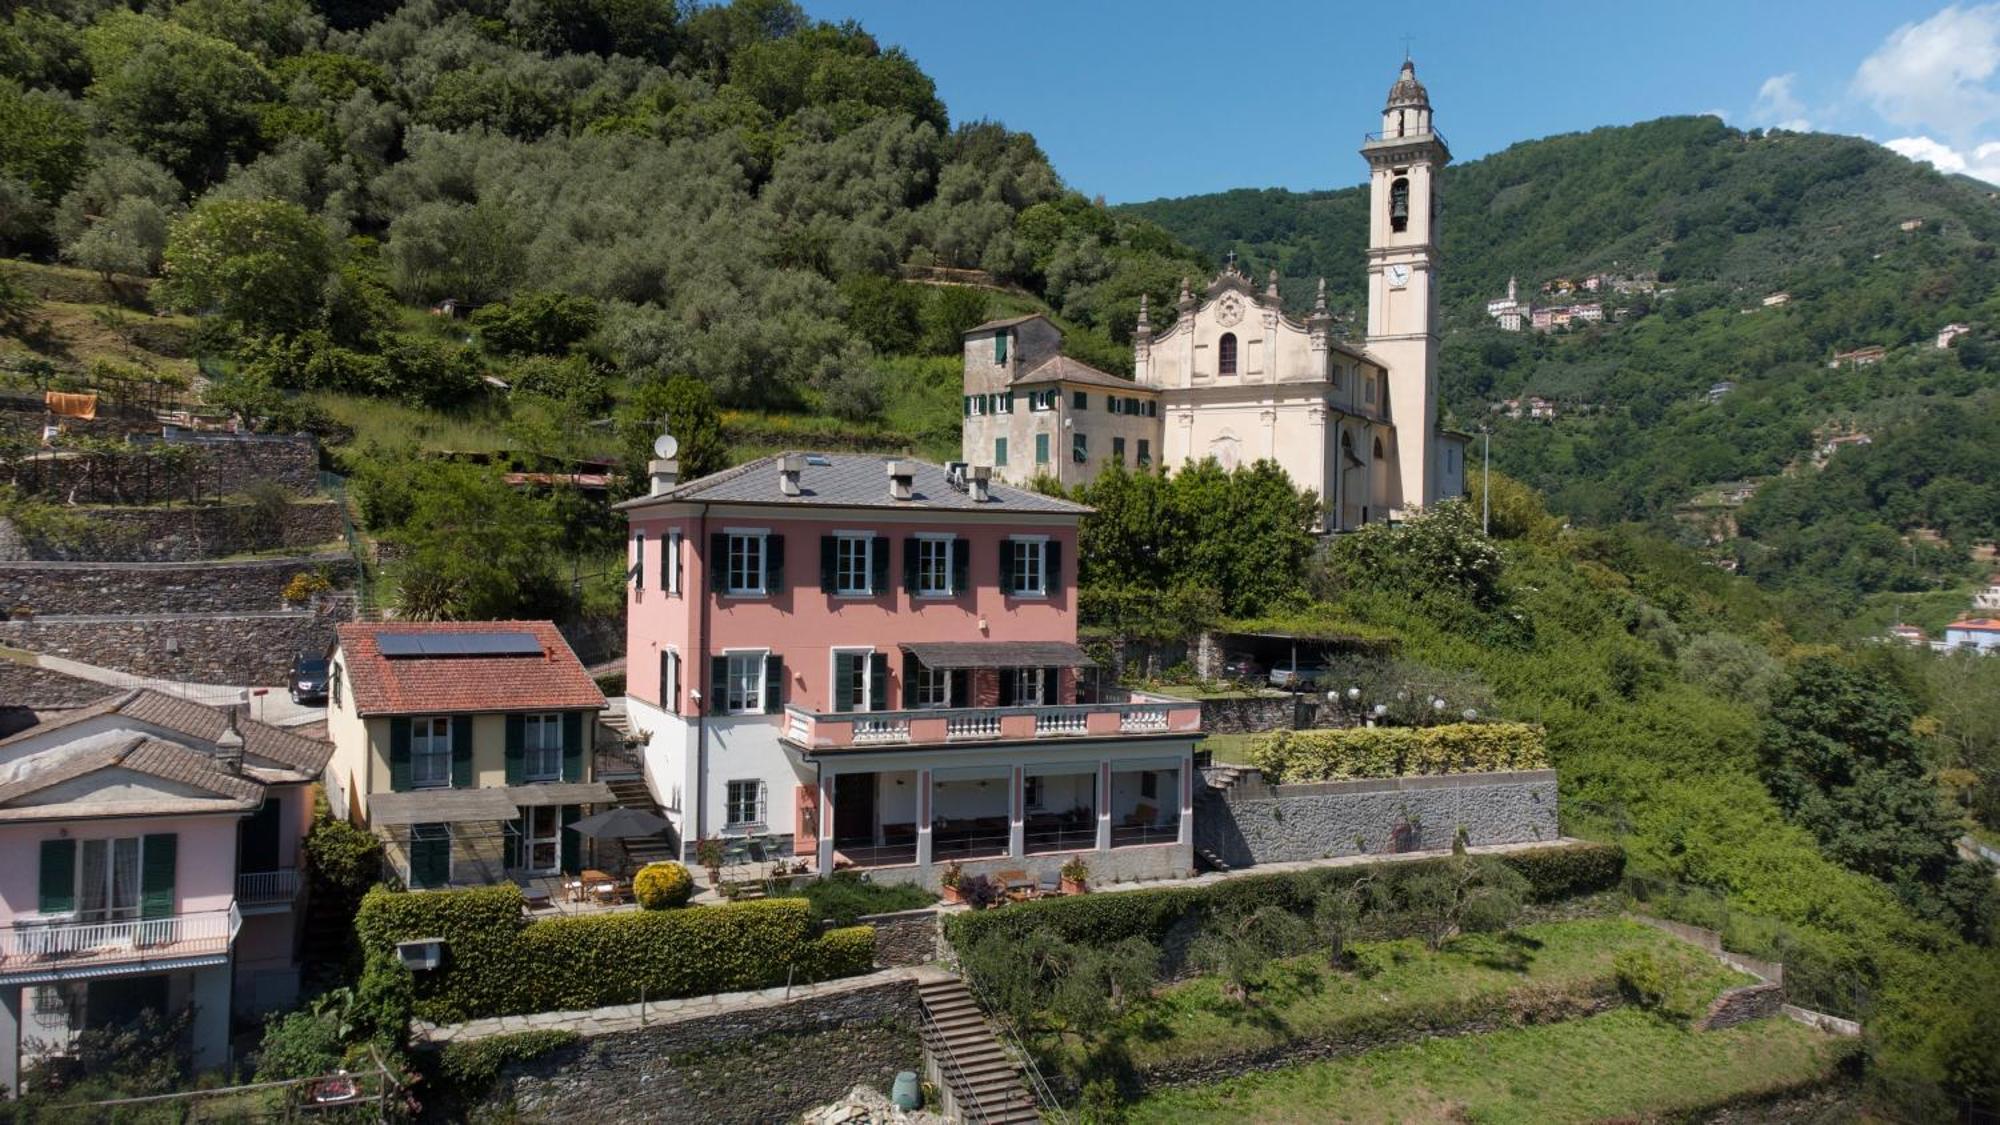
{"x":872,"y":663}
{"x":155,"y":849}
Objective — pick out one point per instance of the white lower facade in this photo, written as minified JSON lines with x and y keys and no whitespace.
{"x":903,"y":813}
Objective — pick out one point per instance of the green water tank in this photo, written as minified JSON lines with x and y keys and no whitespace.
{"x":905,"y":1093}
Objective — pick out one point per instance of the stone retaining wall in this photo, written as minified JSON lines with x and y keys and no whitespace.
{"x":207,"y":648}
{"x":233,"y":462}
{"x":1741,"y":1005}
{"x":908,"y":937}
{"x":107,"y":588}
{"x":746,"y":1057}
{"x":183,"y":533}
{"x":1257,"y":823}
{"x":220,"y":465}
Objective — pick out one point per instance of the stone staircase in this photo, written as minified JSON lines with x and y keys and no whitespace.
{"x":629,"y":791}
{"x":1222,"y":778}
{"x":980,"y":1081}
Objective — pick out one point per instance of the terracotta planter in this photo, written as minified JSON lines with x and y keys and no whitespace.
{"x":1074,"y":887}
{"x":950,"y":894}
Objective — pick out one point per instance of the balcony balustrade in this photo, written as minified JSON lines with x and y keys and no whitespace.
{"x":1142,"y":714}
{"x":267,"y":888}
{"x":45,"y":945}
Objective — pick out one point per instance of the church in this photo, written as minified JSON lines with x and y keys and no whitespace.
{"x":1234,"y":377}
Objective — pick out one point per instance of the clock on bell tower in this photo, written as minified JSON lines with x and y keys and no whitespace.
{"x":1403,"y":326}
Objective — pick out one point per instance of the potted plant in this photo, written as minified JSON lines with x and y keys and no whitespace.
{"x":1075,"y":876}
{"x":980,"y":892}
{"x":950,"y":880}
{"x":708,"y":853}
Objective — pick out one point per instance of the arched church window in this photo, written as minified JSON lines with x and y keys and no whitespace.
{"x":1225,"y":354}
{"x":1378,"y":449}
{"x":1399,"y":204}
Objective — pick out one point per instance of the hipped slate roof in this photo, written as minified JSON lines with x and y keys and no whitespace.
{"x":853,"y":480}
{"x":284,"y":749}
{"x":1063,"y":369}
{"x":551,"y":680}
{"x":1007,"y":322}
{"x":154,"y":757}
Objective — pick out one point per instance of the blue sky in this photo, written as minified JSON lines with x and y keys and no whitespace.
{"x":1172,"y":98}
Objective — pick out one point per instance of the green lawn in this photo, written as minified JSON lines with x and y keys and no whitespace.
{"x":1623,"y":1064}
{"x":1305,"y":1001}
{"x":1229,"y":749}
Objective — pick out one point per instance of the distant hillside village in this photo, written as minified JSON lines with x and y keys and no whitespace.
{"x":1563,"y":310}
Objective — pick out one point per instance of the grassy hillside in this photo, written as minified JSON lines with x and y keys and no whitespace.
{"x":1721,"y":218}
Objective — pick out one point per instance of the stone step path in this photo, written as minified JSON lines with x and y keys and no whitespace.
{"x":985,"y":1081}
{"x":629,"y":791}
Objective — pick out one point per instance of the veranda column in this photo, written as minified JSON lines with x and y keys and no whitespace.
{"x":10,"y":1040}
{"x":210,"y":995}
{"x":1104,"y":806}
{"x":923,"y":818}
{"x":826,"y":823}
{"x":1017,"y":804}
{"x":1186,"y":836}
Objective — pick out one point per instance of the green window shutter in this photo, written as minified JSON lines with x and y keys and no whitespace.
{"x":1000,"y":452}
{"x":1006,"y":566}
{"x":774,"y":683}
{"x":430,"y":855}
{"x":1052,"y":567}
{"x":718,"y":562}
{"x":573,"y":747}
{"x":159,"y":856}
{"x":461,"y":751}
{"x":878,"y":565}
{"x":961,"y":565}
{"x":774,"y":564}
{"x":999,"y":347}
{"x":878,"y":682}
{"x":829,"y":566}
{"x":718,"y":685}
{"x":517,"y":749}
{"x":909,"y":681}
{"x":910,"y":559}
{"x":1041,"y":449}
{"x":843,"y":681}
{"x":572,"y":843}
{"x":968,"y":406}
{"x":399,"y":755}
{"x":639,"y":561}
{"x":58,"y":885}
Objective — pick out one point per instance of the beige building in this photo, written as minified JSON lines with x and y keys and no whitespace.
{"x":1237,"y":379}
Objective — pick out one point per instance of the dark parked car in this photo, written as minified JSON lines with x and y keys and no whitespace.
{"x":308,"y":679}
{"x":1242,"y":668}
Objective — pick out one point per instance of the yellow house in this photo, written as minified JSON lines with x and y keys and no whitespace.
{"x":466,"y":746}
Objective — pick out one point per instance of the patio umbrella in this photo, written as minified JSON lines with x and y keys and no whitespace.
{"x":618,"y":824}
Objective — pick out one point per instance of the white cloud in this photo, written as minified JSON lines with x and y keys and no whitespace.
{"x":1936,"y":74}
{"x":1778,"y":105}
{"x":1982,"y":162}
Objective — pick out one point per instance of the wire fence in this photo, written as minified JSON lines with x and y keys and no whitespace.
{"x":367,"y":591}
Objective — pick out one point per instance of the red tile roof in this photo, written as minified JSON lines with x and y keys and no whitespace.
{"x":1977,"y":624}
{"x":553,"y":680}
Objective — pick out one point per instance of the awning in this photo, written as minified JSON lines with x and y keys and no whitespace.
{"x":560,"y":793}
{"x":426,"y":806}
{"x":939,"y":655}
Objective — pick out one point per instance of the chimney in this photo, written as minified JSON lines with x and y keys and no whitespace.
{"x":902,"y":480}
{"x":229,"y":744}
{"x":982,"y":483}
{"x":789,"y":468}
{"x":666,"y":473}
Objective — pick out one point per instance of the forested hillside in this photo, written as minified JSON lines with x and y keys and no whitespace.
{"x":1719,"y":219}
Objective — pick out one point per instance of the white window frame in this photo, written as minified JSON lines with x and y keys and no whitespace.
{"x":670,"y":563}
{"x":111,"y":911}
{"x":1026,"y":547}
{"x":671,"y":704}
{"x":761,"y":553}
{"x":863,"y":692}
{"x":1038,"y":696}
{"x":933,"y":688}
{"x":1038,"y":403}
{"x":843,"y":548}
{"x":535,"y":739}
{"x":552,"y":841}
{"x":733,"y":803}
{"x":942,"y":546}
{"x":1003,"y":403}
{"x":436,"y":732}
{"x":754,"y":700}
{"x":977,"y":405}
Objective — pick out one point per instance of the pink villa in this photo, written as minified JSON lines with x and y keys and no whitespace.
{"x":155,"y":853}
{"x":872,"y":664}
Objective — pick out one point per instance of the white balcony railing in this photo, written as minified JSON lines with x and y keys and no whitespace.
{"x":798,"y":726}
{"x":261,"y":888}
{"x":41,"y":943}
{"x":972,"y":726}
{"x":881,"y":730}
{"x":1143,"y":722}
{"x":1061,"y":724}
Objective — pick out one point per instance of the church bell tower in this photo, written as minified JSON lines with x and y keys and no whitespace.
{"x":1403,"y":325}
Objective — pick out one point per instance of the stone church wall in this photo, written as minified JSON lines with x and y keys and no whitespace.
{"x":1256,"y":823}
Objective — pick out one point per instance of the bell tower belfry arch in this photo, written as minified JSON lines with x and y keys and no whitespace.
{"x":1404,"y":329}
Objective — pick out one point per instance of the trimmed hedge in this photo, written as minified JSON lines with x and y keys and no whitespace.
{"x":661,"y":886}
{"x":497,"y":963}
{"x":1304,"y":756}
{"x":1553,"y":874}
{"x":472,"y":1065}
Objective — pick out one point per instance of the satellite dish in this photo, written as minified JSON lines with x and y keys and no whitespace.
{"x":665,"y":446}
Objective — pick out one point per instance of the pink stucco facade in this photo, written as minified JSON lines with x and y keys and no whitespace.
{"x":804,"y":624}
{"x":204,"y":862}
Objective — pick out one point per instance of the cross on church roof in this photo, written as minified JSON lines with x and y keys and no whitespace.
{"x":1406,"y":47}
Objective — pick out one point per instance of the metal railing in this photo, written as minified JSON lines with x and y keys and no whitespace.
{"x":37,"y":942}
{"x":256,"y":888}
{"x":1010,"y":1041}
{"x":950,"y":1069}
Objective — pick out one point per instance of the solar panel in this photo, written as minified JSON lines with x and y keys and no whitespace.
{"x":458,"y":644}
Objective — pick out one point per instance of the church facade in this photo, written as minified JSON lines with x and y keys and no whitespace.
{"x":1234,"y":377}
